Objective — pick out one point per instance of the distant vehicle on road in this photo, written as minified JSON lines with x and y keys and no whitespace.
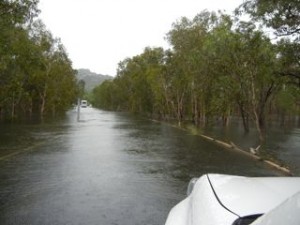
{"x":83,"y":103}
{"x":236,"y":200}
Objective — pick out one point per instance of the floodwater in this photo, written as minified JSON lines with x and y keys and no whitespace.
{"x":108,"y":168}
{"x":282,"y":142}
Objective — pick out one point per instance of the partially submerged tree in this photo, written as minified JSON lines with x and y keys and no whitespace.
{"x":35,"y":72}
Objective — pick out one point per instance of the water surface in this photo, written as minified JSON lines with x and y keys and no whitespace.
{"x":108,"y":168}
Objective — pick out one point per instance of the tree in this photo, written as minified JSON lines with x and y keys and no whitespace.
{"x":54,"y":74}
{"x":35,"y":72}
{"x":243,"y":69}
{"x":289,"y":59}
{"x":103,"y":96}
{"x":260,"y":77}
{"x":155,"y":71}
{"x":215,"y":68}
{"x":188,"y":66}
{"x":15,"y":18}
{"x":284,"y":17}
{"x":281,"y":15}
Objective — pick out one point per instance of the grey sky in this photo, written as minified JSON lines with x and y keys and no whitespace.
{"x":100,"y":33}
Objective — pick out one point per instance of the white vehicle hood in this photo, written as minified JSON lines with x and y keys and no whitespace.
{"x":221,"y":199}
{"x":285,"y":213}
{"x":248,"y":196}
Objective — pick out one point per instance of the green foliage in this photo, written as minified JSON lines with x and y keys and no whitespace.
{"x":217,"y":67}
{"x":289,"y":63}
{"x":36,"y":75}
{"x":282,"y":15}
{"x":286,"y":99}
{"x":102,"y":95}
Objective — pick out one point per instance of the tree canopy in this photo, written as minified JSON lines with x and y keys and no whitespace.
{"x":216,"y":68}
{"x":281,"y":15}
{"x":36,"y":75}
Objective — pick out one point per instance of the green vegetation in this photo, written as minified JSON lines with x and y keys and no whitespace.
{"x":281,"y":15}
{"x":36,"y":75}
{"x":218,"y":66}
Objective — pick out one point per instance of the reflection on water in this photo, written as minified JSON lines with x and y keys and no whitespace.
{"x":108,"y":168}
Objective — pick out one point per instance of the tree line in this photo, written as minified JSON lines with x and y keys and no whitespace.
{"x":218,"y":66}
{"x":36,"y":75}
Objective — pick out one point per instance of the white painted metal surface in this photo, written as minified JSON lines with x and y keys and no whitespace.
{"x":221,"y":199}
{"x":286,"y":213}
{"x":248,"y":196}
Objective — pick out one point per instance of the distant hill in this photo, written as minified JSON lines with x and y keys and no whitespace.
{"x":91,"y":79}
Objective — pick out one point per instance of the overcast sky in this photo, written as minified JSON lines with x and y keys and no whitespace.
{"x":98,"y":34}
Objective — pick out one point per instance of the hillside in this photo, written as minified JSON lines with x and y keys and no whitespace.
{"x":91,"y":79}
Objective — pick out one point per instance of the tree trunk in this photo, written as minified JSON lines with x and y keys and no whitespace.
{"x":225,"y":118}
{"x":30,"y":108}
{"x":254,"y":110}
{"x":195,"y":104}
{"x":178,"y":109}
{"x":203,"y":116}
{"x":168,"y":102}
{"x":244,"y":115}
{"x":13,"y":108}
{"x":43,"y":103}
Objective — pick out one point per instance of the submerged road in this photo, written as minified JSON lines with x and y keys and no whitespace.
{"x":109,"y":168}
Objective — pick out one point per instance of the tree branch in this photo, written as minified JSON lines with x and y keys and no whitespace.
{"x":296,"y":75}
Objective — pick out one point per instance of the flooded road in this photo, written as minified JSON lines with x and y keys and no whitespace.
{"x":109,"y":168}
